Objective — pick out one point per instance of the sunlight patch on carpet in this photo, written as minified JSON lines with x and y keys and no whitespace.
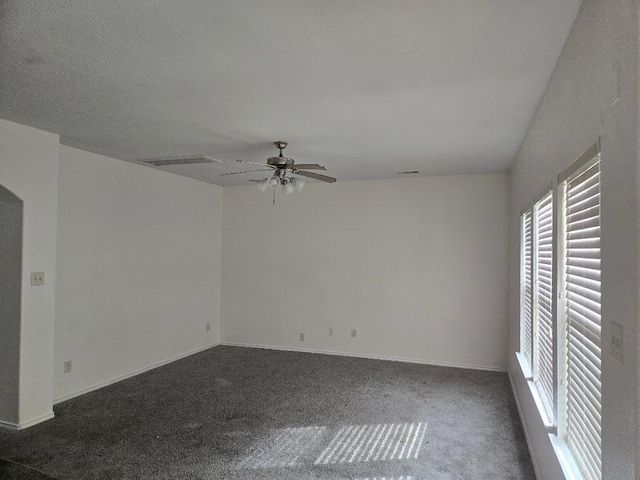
{"x":281,"y":447}
{"x":380,"y":442}
{"x":402,"y":477}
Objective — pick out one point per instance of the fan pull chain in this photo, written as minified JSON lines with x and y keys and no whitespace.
{"x":274,"y":196}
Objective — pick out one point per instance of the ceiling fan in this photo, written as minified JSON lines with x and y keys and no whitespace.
{"x":284,"y":169}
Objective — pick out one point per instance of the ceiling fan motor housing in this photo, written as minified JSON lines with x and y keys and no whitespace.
{"x":280,"y":161}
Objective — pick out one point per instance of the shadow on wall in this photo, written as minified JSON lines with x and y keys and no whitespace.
{"x":11,"y":213}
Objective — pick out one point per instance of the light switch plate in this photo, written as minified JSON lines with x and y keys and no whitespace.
{"x":617,"y":341}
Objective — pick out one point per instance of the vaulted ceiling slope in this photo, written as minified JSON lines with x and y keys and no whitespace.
{"x":366,"y":87}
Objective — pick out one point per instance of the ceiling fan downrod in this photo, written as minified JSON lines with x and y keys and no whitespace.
{"x":281,"y":146}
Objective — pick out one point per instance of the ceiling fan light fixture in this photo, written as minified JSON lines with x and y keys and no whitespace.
{"x":297,"y":183}
{"x":274,"y":182}
{"x":263,"y":185}
{"x":288,"y":187}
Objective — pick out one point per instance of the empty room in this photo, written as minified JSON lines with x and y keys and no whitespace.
{"x":304,"y":239}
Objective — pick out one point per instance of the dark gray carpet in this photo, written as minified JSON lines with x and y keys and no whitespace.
{"x":240,"y":413}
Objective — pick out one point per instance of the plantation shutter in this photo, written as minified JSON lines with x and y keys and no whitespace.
{"x":527,"y":288}
{"x":543,"y":338}
{"x":582,"y":319}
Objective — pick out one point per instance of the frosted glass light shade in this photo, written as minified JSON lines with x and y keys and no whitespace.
{"x":263,"y":185}
{"x":289,"y":187}
{"x":274,"y":182}
{"x":297,"y":183}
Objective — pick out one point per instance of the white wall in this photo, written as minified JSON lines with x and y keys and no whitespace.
{"x":138,"y":269}
{"x":575,"y":110}
{"x":29,"y":169}
{"x":418,"y":266}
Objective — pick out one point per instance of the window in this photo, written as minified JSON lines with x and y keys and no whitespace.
{"x":543,"y":344}
{"x":580,"y":314}
{"x":526,"y":290}
{"x":560,"y":346}
{"x":536,"y":312}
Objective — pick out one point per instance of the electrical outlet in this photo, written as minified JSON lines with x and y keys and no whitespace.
{"x":354,"y":333}
{"x":331,"y":332}
{"x":208,"y":327}
{"x":67,"y":366}
{"x":302,"y":337}
{"x":617,"y":341}
{"x":37,"y":279}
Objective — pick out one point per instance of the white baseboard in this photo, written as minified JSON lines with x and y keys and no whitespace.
{"x":9,"y":425}
{"x":130,"y":374}
{"x":30,"y":423}
{"x":372,"y":357}
{"x":527,"y":437}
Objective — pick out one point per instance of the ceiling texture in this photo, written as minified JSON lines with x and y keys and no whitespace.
{"x":367,"y":88}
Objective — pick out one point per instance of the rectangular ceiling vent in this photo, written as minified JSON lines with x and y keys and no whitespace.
{"x":164,"y":162}
{"x":408,"y":173}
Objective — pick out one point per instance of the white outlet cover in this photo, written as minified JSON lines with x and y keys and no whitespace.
{"x":37,"y":279}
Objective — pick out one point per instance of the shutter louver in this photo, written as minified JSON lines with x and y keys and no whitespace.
{"x":543,"y":337}
{"x":527,"y":288}
{"x":582,"y":319}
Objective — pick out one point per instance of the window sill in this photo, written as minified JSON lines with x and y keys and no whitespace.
{"x":526,"y":371}
{"x":524,"y":366}
{"x":567,"y":463}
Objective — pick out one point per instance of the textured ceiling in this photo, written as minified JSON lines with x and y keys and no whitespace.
{"x":366,"y":87}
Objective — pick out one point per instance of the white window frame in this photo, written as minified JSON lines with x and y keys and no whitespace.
{"x":581,"y":165}
{"x":544,"y":345}
{"x":526,"y":308}
{"x":529,"y":355}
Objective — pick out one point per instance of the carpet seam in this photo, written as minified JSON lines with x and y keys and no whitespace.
{"x":26,"y":466}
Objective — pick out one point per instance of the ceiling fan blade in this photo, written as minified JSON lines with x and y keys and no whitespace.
{"x":310,"y":166}
{"x":245,"y":171}
{"x":316,"y":176}
{"x":256,"y":163}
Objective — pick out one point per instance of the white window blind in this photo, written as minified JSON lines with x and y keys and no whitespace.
{"x":543,"y":324}
{"x":526,"y":291}
{"x":582,"y":323}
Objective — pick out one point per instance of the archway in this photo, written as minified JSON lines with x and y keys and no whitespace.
{"x":11,"y":224}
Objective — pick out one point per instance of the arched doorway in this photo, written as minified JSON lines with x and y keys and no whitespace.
{"x":11,"y":218}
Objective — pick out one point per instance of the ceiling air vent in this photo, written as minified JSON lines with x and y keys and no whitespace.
{"x":408,"y":173}
{"x":164,"y":162}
